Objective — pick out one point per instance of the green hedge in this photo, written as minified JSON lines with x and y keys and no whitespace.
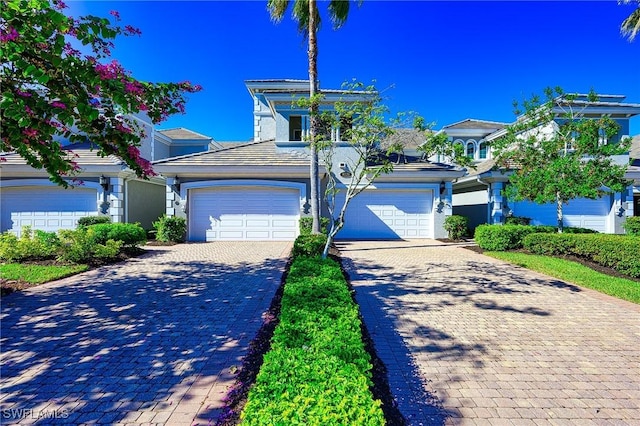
{"x":130,"y":234}
{"x":317,"y":371}
{"x":306,"y":224}
{"x":32,"y":245}
{"x":309,"y":245}
{"x":632,"y":225}
{"x":502,"y":237}
{"x":93,"y":220}
{"x":171,"y":228}
{"x":619,"y":252}
{"x":457,"y":226}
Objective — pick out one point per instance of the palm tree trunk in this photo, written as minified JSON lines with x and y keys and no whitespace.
{"x":313,"y":113}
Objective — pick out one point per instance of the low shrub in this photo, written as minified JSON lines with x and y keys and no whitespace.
{"x":32,"y":245}
{"x":309,"y":245}
{"x":517,"y":220}
{"x":457,"y":226}
{"x":93,"y":220}
{"x":502,"y":237}
{"x":81,"y":246}
{"x":171,"y":229}
{"x":575,"y":230}
{"x":317,"y":371}
{"x":619,"y":252}
{"x":130,"y":234}
{"x":306,"y":224}
{"x":632,"y":225}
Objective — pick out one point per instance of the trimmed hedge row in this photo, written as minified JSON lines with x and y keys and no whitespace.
{"x":510,"y":237}
{"x":619,"y":252}
{"x":317,"y":371}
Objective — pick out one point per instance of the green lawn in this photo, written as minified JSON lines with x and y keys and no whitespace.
{"x":575,"y":273}
{"x":38,"y":274}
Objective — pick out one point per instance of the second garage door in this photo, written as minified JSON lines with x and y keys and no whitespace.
{"x":389,"y":214}
{"x":243,"y":214}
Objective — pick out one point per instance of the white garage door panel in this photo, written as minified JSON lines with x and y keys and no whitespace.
{"x":389,"y":214}
{"x":243,"y":213}
{"x":45,"y":208}
{"x":581,"y":212}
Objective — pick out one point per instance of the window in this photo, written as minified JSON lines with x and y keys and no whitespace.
{"x":295,"y":128}
{"x":471,"y":149}
{"x":482,"y":151}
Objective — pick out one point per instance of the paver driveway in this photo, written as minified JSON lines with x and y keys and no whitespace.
{"x":154,"y":340}
{"x":472,"y":340}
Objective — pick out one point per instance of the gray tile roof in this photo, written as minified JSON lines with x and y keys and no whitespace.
{"x":261,"y":153}
{"x":85,"y":154}
{"x":408,"y":138}
{"x":470,"y":123}
{"x":634,"y":152}
{"x":181,"y":133}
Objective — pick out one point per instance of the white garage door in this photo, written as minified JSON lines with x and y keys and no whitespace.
{"x":389,"y":214}
{"x":243,"y":213}
{"x":581,"y":213}
{"x":48,"y":208}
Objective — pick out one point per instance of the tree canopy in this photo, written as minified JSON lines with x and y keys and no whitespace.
{"x":59,"y":82}
{"x":558,"y":154}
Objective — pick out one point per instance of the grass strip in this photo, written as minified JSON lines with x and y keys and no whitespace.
{"x":575,"y":273}
{"x":38,"y":274}
{"x":317,"y":371}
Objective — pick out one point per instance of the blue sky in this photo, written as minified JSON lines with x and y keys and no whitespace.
{"x":445,"y":60}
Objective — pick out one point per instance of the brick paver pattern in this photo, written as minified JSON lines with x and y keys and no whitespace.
{"x":472,"y":340}
{"x":154,"y":340}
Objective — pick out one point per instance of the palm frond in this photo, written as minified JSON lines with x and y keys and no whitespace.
{"x":631,"y":26}
{"x":277,"y":8}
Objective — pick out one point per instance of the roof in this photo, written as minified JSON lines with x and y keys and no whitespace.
{"x":180,"y":133}
{"x":408,"y":138}
{"x":471,"y":123}
{"x":85,"y":154}
{"x":634,"y":151}
{"x":260,"y":153}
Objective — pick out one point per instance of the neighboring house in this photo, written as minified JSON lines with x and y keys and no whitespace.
{"x":259,"y":190}
{"x":479,"y":194}
{"x":109,"y":187}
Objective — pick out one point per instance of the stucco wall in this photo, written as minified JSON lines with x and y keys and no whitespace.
{"x":145,"y":202}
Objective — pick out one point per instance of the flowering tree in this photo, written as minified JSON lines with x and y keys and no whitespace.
{"x":58,"y":81}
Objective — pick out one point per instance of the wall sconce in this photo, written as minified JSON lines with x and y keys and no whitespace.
{"x":174,"y":182}
{"x":443,"y":187}
{"x":104,"y":182}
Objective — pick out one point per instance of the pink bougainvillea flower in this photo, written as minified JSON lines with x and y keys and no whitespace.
{"x":129,"y":30}
{"x":9,"y":34}
{"x":29,"y":132}
{"x":23,"y":94}
{"x":58,"y":104}
{"x":115,"y":14}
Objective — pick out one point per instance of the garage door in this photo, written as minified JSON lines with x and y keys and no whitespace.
{"x":47,"y":208}
{"x":243,"y":214}
{"x":389,"y":214}
{"x":581,"y":212}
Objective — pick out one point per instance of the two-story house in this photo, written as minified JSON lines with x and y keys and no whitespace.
{"x":479,"y":194}
{"x":259,"y":190}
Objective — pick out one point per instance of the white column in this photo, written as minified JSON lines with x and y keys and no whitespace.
{"x":116,"y":199}
{"x":496,"y":199}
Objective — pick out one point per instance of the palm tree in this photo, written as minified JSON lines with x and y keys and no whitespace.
{"x":308,"y":17}
{"x":631,"y":26}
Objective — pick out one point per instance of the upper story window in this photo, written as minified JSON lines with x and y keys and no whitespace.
{"x":471,"y":150}
{"x":482,"y":151}
{"x":295,"y":128}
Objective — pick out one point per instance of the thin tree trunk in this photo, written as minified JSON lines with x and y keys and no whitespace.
{"x":559,"y":212}
{"x":313,"y":113}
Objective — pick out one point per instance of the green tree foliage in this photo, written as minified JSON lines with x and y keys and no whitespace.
{"x":58,"y":81}
{"x":557,"y":154}
{"x":306,"y":13}
{"x":437,"y":144}
{"x":631,"y":26}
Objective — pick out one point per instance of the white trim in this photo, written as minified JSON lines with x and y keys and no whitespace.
{"x":301,"y":187}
